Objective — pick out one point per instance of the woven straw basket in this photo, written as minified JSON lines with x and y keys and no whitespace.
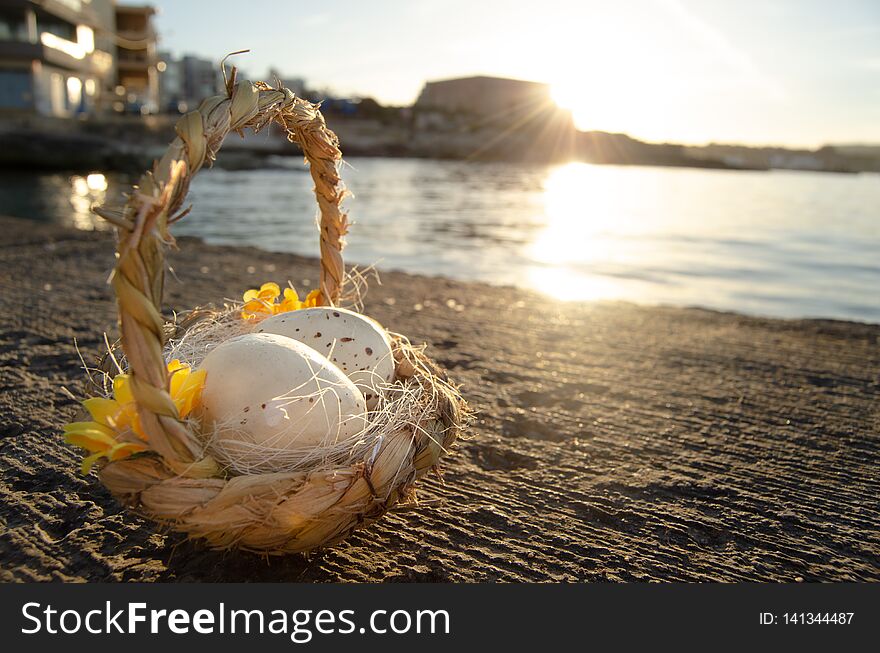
{"x":175,"y":482}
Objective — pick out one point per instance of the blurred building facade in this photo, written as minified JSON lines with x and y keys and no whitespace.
{"x":55,"y":57}
{"x":137,"y":74}
{"x":293,"y":82}
{"x":67,"y":58}
{"x":185,"y":82}
{"x":71,"y":58}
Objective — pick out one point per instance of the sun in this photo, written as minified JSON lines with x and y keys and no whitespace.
{"x":575,"y":98}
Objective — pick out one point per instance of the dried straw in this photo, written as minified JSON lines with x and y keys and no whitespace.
{"x":179,"y":483}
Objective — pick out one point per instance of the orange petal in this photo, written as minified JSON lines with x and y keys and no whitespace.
{"x":88,"y":461}
{"x":124,"y":450}
{"x":175,"y":365}
{"x":178,"y":376}
{"x":189,"y":392}
{"x":270,"y":290}
{"x":253,"y":293}
{"x":122,"y":389}
{"x":255,"y":308}
{"x":136,"y":426}
{"x":312,"y":298}
{"x":89,"y":426}
{"x":103,"y":411}
{"x":288,"y":305}
{"x":92,"y":440}
{"x":128,"y":419}
{"x":258,"y":306}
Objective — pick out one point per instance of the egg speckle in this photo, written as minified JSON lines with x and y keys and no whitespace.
{"x":343,"y":336}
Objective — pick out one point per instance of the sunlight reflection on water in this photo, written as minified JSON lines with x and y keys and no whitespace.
{"x":787,"y":244}
{"x":86,"y":192}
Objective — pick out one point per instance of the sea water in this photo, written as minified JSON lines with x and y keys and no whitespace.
{"x":778,"y":243}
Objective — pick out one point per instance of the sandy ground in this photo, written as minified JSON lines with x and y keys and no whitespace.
{"x":613,"y":442}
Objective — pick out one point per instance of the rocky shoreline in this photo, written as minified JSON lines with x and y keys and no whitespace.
{"x":130,"y":144}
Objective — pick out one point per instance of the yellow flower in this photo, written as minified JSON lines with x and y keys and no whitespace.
{"x":119,"y":416}
{"x":291,"y":301}
{"x":312,"y":298}
{"x":259,"y":304}
{"x":185,"y":386}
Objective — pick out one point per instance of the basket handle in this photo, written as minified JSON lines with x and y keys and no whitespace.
{"x":143,"y":235}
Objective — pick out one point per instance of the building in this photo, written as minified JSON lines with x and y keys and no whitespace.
{"x":493,"y":118}
{"x":170,"y":83}
{"x":487,"y":97}
{"x":67,"y":58}
{"x":53,"y":56}
{"x":137,"y":74}
{"x":295,"y":84}
{"x":184,"y":83}
{"x":201,"y":79}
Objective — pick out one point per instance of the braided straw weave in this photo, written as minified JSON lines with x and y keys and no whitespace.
{"x":176,"y":483}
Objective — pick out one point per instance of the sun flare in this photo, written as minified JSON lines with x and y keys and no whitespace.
{"x":573,"y":97}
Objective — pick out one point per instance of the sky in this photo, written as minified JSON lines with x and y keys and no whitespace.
{"x":761,"y":72}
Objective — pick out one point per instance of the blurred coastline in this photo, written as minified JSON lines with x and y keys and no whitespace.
{"x":129,"y":143}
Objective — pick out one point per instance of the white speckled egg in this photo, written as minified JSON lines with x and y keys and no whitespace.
{"x":268,"y":390}
{"x":355,"y":343}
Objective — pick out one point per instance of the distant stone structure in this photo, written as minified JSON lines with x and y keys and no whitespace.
{"x":488,"y":97}
{"x":492,"y":118}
